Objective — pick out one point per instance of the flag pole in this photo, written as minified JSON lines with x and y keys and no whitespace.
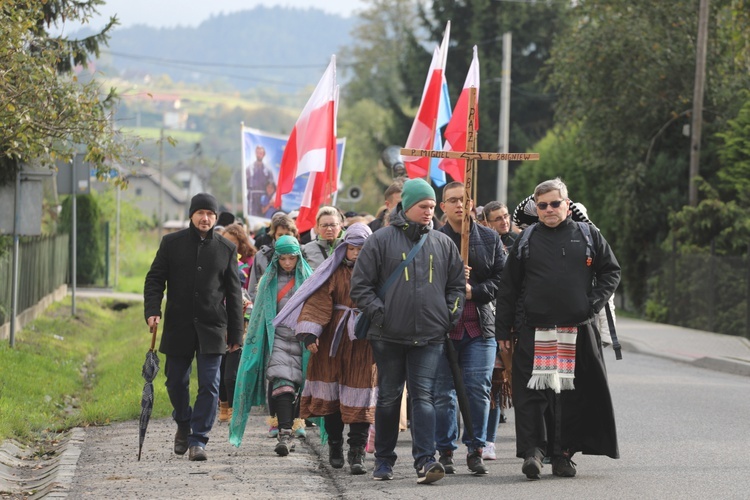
{"x":433,"y":129}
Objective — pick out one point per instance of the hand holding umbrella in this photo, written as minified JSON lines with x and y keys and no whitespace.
{"x":149,"y":371}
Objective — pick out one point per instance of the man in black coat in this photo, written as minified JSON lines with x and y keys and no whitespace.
{"x":560,"y":391}
{"x":203,"y":318}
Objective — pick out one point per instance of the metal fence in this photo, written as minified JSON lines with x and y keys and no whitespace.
{"x":704,"y":291}
{"x":43,"y":266}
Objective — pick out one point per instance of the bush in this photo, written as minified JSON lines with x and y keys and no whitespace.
{"x":90,"y":245}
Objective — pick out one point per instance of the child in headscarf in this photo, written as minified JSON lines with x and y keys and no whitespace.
{"x":272,"y":353}
{"x":341,"y":381}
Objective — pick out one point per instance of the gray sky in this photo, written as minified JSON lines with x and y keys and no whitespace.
{"x":165,"y":13}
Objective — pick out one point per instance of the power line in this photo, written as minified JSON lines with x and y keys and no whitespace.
{"x":217,"y":64}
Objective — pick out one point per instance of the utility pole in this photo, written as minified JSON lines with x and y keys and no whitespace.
{"x":504,"y":121}
{"x":16,"y":233}
{"x":700,"y":80}
{"x":118,"y":189}
{"x":161,"y":183}
{"x":74,"y":235}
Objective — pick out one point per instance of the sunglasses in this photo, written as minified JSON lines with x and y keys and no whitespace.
{"x":554,"y":204}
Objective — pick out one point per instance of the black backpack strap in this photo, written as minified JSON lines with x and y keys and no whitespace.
{"x":611,"y":323}
{"x":522,"y":250}
{"x":586,"y":230}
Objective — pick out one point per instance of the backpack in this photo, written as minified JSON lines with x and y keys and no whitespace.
{"x":522,"y":253}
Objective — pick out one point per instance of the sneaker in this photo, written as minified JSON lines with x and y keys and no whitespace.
{"x":285,"y":444}
{"x":532,"y":467}
{"x":356,"y":459}
{"x":383,"y":471}
{"x":503,"y":418}
{"x":430,"y":472}
{"x":475,"y":463}
{"x":446,"y":460}
{"x":181,"y":440}
{"x":563,"y":467}
{"x":197,"y":454}
{"x":488,"y":453}
{"x":336,"y":454}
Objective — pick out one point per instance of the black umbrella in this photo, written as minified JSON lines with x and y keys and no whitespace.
{"x":149,"y":371}
{"x":458,"y":383}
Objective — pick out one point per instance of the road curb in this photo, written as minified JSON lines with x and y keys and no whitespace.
{"x":31,"y":477}
{"x":716,"y":363}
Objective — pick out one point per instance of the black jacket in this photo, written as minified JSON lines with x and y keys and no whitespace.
{"x":199,"y":274}
{"x":426,"y":300}
{"x":554,"y":282}
{"x":486,"y":259}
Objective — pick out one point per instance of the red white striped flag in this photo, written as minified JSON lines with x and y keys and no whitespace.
{"x":455,"y":132}
{"x":312,"y":149}
{"x":422,"y":134}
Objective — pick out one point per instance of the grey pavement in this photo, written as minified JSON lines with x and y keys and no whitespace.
{"x":725,"y":353}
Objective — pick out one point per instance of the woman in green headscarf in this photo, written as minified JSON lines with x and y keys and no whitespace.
{"x":272,"y":354}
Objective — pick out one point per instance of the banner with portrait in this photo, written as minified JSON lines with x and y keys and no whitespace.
{"x":261,"y":160}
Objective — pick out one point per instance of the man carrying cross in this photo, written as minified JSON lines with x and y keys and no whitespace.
{"x":473,"y":337}
{"x":563,"y":277}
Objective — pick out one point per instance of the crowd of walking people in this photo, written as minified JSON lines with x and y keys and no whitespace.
{"x":365,"y":319}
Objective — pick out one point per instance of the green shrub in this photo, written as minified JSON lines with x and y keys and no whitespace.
{"x":90,"y":246}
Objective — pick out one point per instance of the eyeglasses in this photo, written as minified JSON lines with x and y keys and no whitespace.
{"x":499,"y":218}
{"x":330,"y":226}
{"x":554,"y":204}
{"x":455,"y":201}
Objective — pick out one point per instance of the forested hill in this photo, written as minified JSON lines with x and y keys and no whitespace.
{"x":280,"y":47}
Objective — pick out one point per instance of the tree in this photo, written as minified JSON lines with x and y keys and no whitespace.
{"x":393,"y":47}
{"x":734,"y":177}
{"x":623,"y":74}
{"x":47,"y":114}
{"x":380,"y":39}
{"x":364,"y":124}
{"x":72,"y":52}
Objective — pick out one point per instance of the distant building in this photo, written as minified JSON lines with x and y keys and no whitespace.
{"x":143,"y":193}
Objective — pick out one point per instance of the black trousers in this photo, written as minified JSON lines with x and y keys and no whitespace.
{"x":230,"y":363}
{"x":335,"y":429}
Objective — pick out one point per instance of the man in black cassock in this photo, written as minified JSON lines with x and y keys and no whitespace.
{"x":563,"y":277}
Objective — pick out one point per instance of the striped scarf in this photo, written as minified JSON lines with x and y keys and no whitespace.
{"x":554,"y":359}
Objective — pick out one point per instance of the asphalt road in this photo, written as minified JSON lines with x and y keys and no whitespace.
{"x":683,"y":433}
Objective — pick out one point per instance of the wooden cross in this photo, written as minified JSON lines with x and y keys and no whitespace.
{"x":471,"y":156}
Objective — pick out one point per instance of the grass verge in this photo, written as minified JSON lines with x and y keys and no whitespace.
{"x":81,"y":371}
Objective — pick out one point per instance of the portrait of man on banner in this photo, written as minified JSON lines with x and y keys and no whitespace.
{"x":259,"y":180}
{"x":261,"y":161}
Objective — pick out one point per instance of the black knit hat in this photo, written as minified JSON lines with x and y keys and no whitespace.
{"x":204,"y":201}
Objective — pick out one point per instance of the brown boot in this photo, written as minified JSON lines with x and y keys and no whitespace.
{"x":224,"y":411}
